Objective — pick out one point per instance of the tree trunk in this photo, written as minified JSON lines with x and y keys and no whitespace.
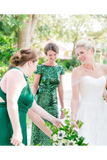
{"x":73,"y":52}
{"x":24,"y":35}
{"x":33,"y":24}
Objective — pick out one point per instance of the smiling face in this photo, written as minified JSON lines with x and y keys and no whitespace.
{"x":52,"y":56}
{"x":84,"y":55}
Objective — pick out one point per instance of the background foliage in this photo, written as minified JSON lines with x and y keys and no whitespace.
{"x":64,"y":28}
{"x":6,"y":49}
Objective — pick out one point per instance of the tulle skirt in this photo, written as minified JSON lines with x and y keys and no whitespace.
{"x":94,"y":116}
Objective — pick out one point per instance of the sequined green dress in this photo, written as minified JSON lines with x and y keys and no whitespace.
{"x":46,"y":97}
{"x":24,"y":103}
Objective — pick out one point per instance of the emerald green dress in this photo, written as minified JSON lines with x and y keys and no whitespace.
{"x":46,"y":97}
{"x":24,"y":103}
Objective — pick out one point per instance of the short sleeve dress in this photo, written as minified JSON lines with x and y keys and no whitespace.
{"x":24,"y":103}
{"x":46,"y":97}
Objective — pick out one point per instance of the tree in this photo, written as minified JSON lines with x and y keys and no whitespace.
{"x":31,"y":30}
{"x":19,"y":27}
{"x":25,"y":35}
{"x":64,"y":28}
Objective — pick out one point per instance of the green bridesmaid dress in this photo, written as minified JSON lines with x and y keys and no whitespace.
{"x":25,"y":101}
{"x":46,"y":97}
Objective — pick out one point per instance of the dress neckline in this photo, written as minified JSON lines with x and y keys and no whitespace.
{"x":94,"y":77}
{"x":49,"y":66}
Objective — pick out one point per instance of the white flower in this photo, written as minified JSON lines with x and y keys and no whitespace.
{"x":62,"y":143}
{"x":71,"y":143}
{"x":61,"y":134}
{"x":55,"y":136}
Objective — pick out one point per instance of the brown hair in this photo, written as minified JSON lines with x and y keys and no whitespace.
{"x":22,"y":56}
{"x":10,"y":66}
{"x":52,"y":47}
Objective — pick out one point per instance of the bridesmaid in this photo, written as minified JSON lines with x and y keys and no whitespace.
{"x":16,"y":100}
{"x":48,"y":78}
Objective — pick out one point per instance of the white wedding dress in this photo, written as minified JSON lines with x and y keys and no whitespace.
{"x":93,"y":111}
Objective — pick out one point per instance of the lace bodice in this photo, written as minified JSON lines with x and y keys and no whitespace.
{"x":91,"y":89}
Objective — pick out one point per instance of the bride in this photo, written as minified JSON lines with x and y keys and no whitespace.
{"x":89,"y":81}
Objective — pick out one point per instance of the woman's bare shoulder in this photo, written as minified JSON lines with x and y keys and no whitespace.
{"x":14,"y":78}
{"x":103,"y":65}
{"x":77,"y":71}
{"x":104,"y":68}
{"x":14,"y":74}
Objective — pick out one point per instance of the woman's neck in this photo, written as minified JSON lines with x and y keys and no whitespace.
{"x":24,"y":70}
{"x":91,"y":66}
{"x":50,"y":63}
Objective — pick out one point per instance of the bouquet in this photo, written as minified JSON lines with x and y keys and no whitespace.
{"x":66,"y":135}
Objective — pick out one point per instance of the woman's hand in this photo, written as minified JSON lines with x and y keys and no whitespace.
{"x":57,"y":122}
{"x":73,"y":123}
{"x":16,"y":139}
{"x":62,"y":115}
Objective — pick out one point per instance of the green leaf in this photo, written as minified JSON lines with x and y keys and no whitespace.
{"x":38,"y":144}
{"x":67,"y":116}
{"x":67,"y":122}
{"x":71,"y":127}
{"x":79,"y":123}
{"x":62,"y":109}
{"x":81,"y":139}
{"x":47,"y":124}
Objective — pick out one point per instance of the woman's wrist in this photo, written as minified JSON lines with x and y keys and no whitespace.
{"x":62,"y":109}
{"x":17,"y":132}
{"x":74,"y":116}
{"x":74,"y":113}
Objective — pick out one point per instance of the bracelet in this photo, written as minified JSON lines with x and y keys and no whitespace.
{"x":74,"y":113}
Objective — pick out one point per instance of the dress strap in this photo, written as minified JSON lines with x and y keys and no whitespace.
{"x":26,"y":77}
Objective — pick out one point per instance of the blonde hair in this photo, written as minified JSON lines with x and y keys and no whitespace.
{"x":88,"y":43}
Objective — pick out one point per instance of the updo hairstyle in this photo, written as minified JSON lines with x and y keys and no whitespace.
{"x":52,"y":47}
{"x":88,"y":43}
{"x":22,"y":56}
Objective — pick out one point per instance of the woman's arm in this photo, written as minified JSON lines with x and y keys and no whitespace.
{"x":75,"y":96}
{"x":44,"y":114}
{"x":39,"y":122}
{"x":1,"y":100}
{"x":61,"y":96}
{"x":104,"y":69}
{"x":14,"y":86}
{"x":105,"y":92}
{"x":36,"y":83}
